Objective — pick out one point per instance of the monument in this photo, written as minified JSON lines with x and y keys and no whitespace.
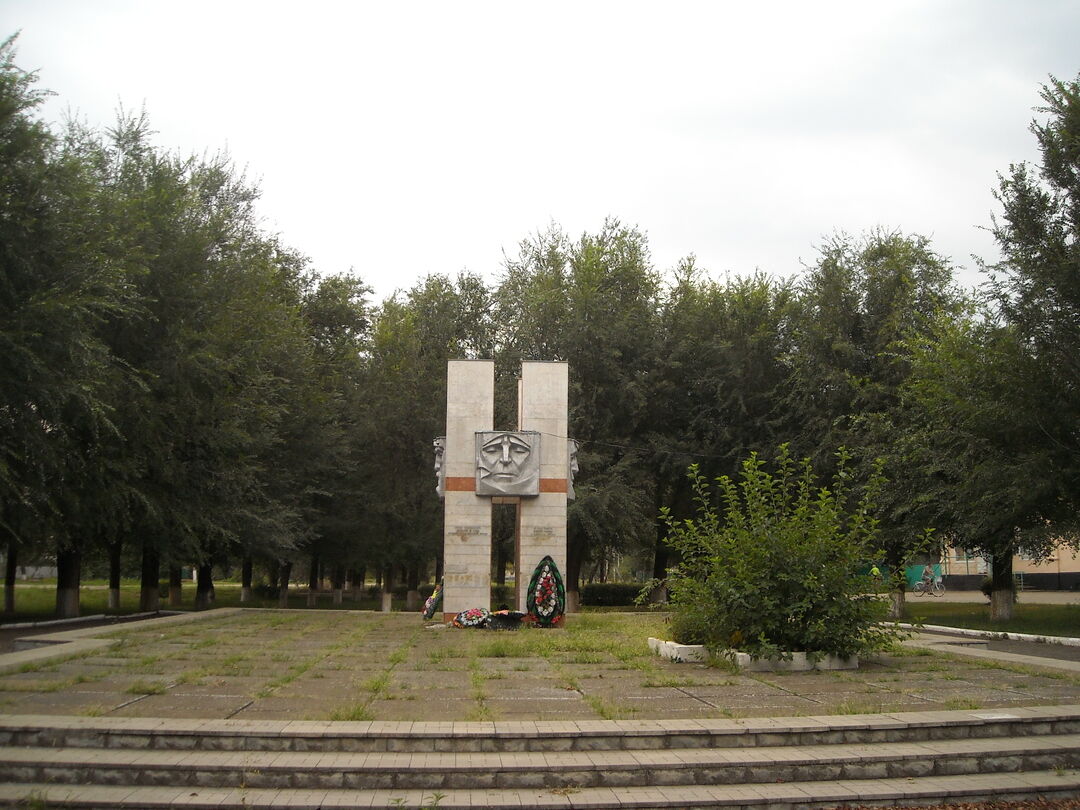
{"x":476,"y":466}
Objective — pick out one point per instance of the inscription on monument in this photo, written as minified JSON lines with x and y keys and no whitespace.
{"x":465,"y":532}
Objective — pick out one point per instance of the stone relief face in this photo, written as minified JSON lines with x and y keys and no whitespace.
{"x":439,"y":446}
{"x":572,"y":467}
{"x":507,"y":463}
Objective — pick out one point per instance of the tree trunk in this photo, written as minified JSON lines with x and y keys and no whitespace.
{"x":204,"y":588}
{"x":387,"y":589}
{"x":68,"y":564}
{"x":358,"y":577}
{"x":149,"y":600}
{"x":1002,"y":595}
{"x":313,"y":579}
{"x":10,"y":571}
{"x":114,"y":574}
{"x":897,"y":605}
{"x":501,"y":559}
{"x":284,"y":575}
{"x":338,"y":583}
{"x":176,"y":586}
{"x":896,"y":580}
{"x":412,"y":594}
{"x":572,"y":575}
{"x":245,"y":579}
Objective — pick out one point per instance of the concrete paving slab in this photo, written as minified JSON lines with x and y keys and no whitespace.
{"x":180,"y":706}
{"x":526,"y":687}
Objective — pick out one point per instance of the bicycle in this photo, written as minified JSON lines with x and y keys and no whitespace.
{"x":935,"y":586}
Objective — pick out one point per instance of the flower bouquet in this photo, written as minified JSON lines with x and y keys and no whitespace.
{"x":473,"y":617}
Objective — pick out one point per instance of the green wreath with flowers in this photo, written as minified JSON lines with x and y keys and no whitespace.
{"x":546,"y":600}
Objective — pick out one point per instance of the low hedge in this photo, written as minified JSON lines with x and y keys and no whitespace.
{"x":610,"y":594}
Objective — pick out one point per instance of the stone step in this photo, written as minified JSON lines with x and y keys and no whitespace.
{"x":1052,"y":784}
{"x":511,"y":737}
{"x":445,"y":771}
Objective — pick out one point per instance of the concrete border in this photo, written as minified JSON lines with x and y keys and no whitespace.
{"x":799,"y":661}
{"x":942,"y":645}
{"x":995,"y":635}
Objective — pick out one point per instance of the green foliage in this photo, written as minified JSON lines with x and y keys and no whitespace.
{"x":58,"y":284}
{"x":776,"y":570}
{"x":992,"y":402}
{"x":604,"y":594}
{"x":592,"y":303}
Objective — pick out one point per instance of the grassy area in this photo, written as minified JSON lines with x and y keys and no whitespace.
{"x":1042,"y":620}
{"x":37,"y":601}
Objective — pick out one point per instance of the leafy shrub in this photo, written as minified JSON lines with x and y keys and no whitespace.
{"x":777,"y":571}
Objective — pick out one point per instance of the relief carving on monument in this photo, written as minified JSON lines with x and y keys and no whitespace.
{"x":439,"y":445}
{"x":507,"y":462}
{"x":572,"y":446}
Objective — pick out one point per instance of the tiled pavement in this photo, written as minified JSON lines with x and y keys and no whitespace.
{"x":389,"y":681}
{"x":316,"y":665}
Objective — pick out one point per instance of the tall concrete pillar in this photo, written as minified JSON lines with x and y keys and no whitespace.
{"x":470,"y":406}
{"x":542,"y":407}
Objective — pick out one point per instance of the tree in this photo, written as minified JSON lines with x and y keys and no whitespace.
{"x":220,"y":349}
{"x":57,"y":283}
{"x":861,"y":311}
{"x":996,"y":396}
{"x":974,"y":473}
{"x":403,"y":408}
{"x":856,"y":308}
{"x":593,"y":304}
{"x":717,"y":381}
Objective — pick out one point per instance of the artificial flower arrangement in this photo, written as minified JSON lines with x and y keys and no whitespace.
{"x":473,"y":617}
{"x":546,"y":595}
{"x":434,"y":602}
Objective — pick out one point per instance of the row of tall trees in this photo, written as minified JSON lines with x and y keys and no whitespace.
{"x":180,"y":387}
{"x":176,"y":384}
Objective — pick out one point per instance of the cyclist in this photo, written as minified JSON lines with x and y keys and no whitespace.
{"x":927,"y":576}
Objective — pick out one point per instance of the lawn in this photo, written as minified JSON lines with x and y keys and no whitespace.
{"x":36,"y":602}
{"x":1042,"y":620}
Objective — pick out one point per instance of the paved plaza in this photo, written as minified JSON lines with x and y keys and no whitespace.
{"x":351,"y":665}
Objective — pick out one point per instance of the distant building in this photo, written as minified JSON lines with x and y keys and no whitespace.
{"x":27,"y":572}
{"x":1059,"y":572}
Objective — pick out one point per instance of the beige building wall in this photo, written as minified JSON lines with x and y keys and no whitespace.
{"x":542,"y":406}
{"x":470,"y":406}
{"x":1063,"y":561}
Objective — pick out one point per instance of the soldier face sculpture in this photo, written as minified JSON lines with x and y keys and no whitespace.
{"x":439,"y":445}
{"x":507,"y":463}
{"x":572,"y":467}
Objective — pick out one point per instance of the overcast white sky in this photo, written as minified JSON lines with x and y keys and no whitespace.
{"x":397,"y":139}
